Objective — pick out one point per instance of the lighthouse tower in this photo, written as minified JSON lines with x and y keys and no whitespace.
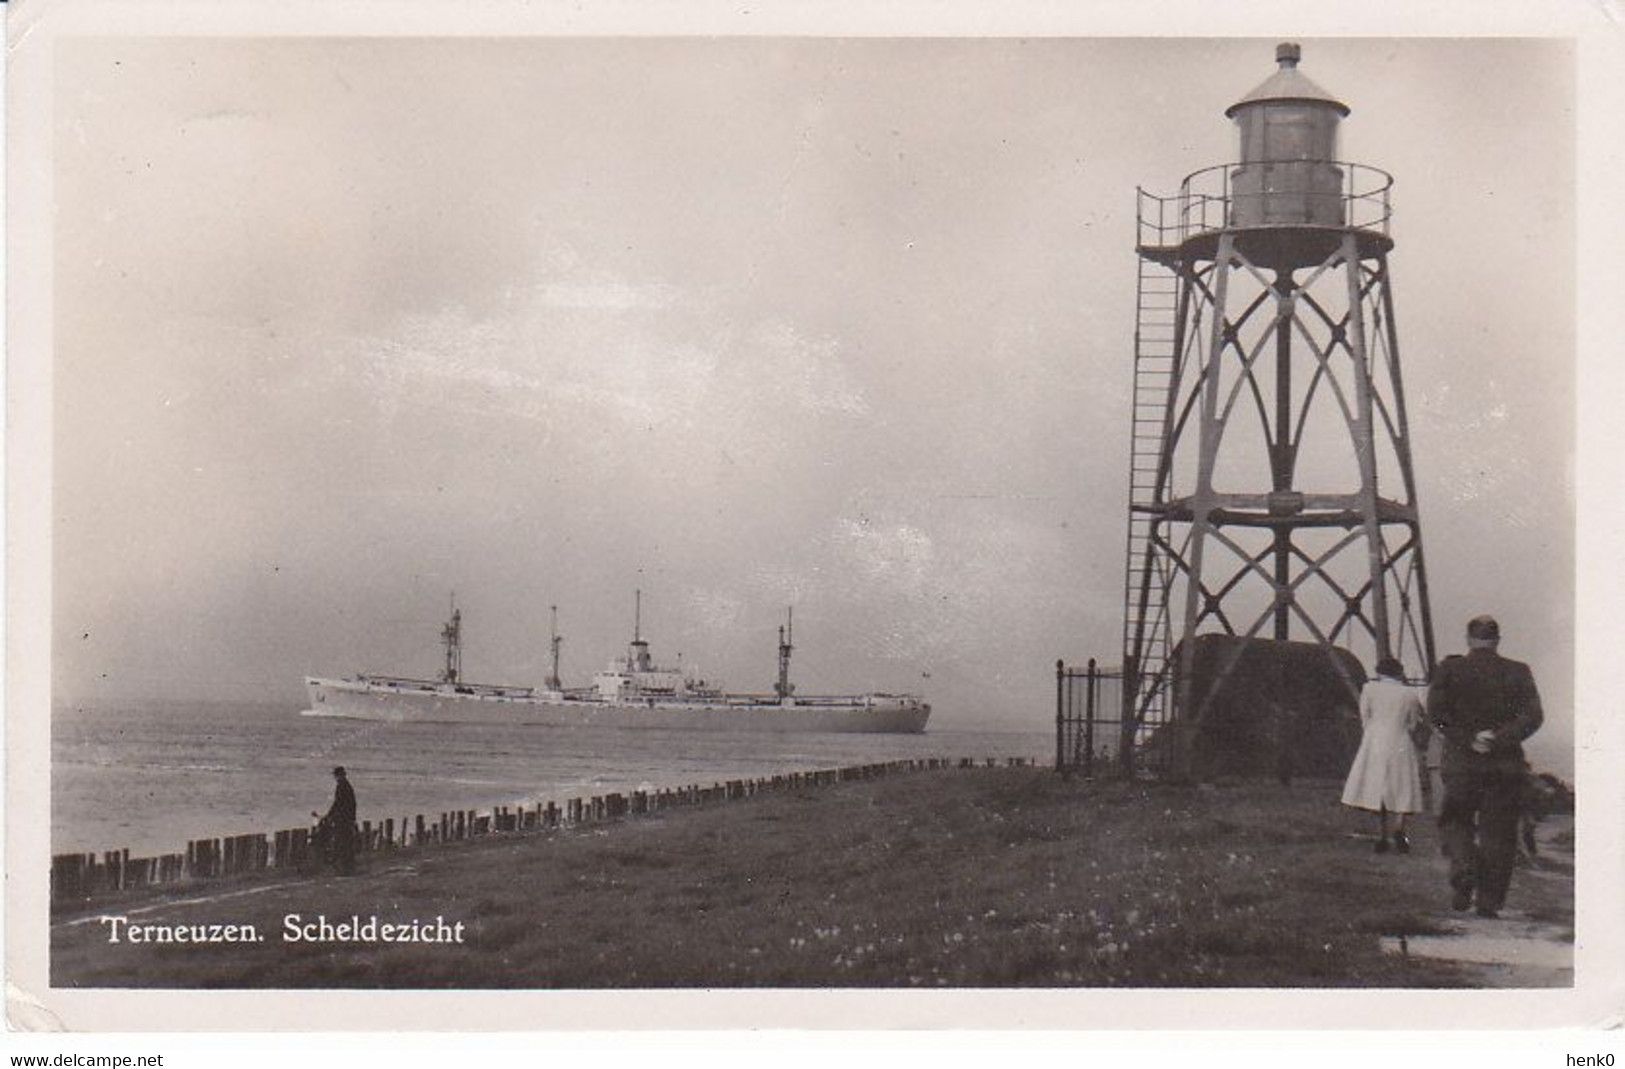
{"x":1272,"y":498}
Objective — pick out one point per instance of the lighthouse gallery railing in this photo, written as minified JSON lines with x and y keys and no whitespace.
{"x":1209,"y":200}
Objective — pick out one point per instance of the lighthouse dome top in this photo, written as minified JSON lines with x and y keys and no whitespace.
{"x":1287,"y":84}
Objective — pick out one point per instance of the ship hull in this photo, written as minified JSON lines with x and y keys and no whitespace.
{"x":362,"y":700}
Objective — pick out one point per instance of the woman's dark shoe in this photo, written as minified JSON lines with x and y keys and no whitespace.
{"x":1401,"y":843}
{"x":1461,"y":900}
{"x":1382,"y":845}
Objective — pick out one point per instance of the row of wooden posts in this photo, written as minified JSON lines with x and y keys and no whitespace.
{"x":80,"y":876}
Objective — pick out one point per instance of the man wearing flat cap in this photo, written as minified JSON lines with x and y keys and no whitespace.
{"x":1484,"y":706}
{"x":338,"y":826}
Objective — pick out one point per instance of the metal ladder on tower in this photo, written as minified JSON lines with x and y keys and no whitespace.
{"x":1146,"y":578}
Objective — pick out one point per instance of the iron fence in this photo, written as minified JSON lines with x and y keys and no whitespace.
{"x":1101,"y":726}
{"x":1088,"y":718}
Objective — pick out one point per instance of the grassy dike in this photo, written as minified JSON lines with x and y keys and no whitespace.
{"x":984,"y":877}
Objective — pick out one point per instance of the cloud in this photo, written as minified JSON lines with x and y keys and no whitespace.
{"x":612,"y":296}
{"x":898,"y":555}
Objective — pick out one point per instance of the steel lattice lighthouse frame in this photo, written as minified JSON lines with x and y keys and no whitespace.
{"x":1272,"y":489}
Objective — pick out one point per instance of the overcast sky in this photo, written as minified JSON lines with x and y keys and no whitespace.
{"x":345,"y":326}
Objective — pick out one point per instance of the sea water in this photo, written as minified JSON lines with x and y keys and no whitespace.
{"x":149,"y":778}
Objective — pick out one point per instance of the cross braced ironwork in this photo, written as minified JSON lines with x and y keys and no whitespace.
{"x":1349,"y":354}
{"x":1255,"y":499}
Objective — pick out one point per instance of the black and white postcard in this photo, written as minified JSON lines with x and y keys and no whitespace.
{"x":555,"y":518}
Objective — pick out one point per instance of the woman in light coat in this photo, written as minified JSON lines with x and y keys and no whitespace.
{"x":1386,"y":776}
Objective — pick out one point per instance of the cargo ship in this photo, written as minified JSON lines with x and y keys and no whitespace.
{"x":632,"y":692}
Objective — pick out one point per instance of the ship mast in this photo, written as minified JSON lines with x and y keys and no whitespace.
{"x":639,"y":653}
{"x":557,"y":640}
{"x":784,"y":687}
{"x":452,"y":636}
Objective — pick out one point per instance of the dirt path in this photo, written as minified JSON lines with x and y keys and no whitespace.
{"x":1532,"y":943}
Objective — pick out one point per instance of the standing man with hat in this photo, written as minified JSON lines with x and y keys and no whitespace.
{"x":339,"y":823}
{"x":1484,"y":706}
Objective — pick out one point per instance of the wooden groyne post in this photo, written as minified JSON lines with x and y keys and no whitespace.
{"x":80,"y":876}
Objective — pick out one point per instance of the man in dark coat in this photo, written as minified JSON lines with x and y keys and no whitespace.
{"x":1484,"y":706}
{"x":339,"y":823}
